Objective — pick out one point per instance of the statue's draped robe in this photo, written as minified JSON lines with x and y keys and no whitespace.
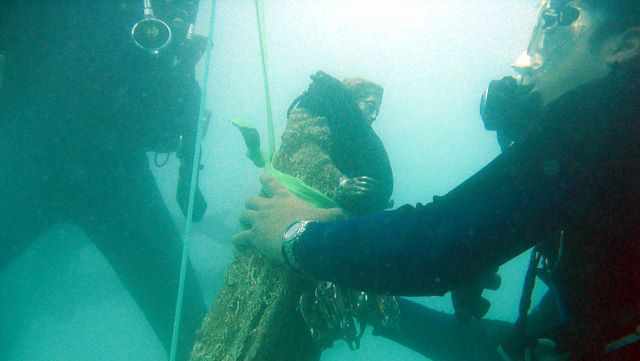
{"x":256,"y":316}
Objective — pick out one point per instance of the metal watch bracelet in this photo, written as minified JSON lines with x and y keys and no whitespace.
{"x":292,"y":236}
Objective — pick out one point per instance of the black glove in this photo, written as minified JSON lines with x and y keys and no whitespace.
{"x":468,"y":301}
{"x":510,"y":109}
{"x":327,"y":96}
{"x":182,"y":194}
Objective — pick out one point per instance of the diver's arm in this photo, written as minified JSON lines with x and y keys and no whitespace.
{"x":502,"y":210}
{"x":505,"y":208}
{"x":428,"y":250}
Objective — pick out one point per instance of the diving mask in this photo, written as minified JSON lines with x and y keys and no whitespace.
{"x":560,"y":24}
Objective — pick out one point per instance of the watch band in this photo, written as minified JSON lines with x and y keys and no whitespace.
{"x":292,"y":236}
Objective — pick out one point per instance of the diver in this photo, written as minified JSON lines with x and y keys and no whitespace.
{"x":331,"y":156}
{"x":566,"y":183}
{"x":80,"y":107}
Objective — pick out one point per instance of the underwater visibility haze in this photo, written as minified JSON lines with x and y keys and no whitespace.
{"x":62,"y":300}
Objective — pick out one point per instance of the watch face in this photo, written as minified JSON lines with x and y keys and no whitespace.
{"x":292,"y":230}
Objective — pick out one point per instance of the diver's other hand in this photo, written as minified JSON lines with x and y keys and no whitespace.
{"x":509,"y":108}
{"x":358,"y":187}
{"x":182,"y":197}
{"x":267,"y":216}
{"x":390,"y":204}
{"x":468,"y":301}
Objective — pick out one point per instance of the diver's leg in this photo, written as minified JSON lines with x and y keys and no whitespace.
{"x":20,"y":224}
{"x":441,"y":337}
{"x":17,"y":231}
{"x":24,"y":206}
{"x":131,"y":225}
{"x":24,"y":216}
{"x":22,"y":219}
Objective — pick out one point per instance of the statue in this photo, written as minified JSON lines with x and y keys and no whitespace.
{"x":268,"y":312}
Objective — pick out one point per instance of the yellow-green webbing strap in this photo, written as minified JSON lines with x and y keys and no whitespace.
{"x":271,"y":148}
{"x":295,"y":185}
{"x":301,"y":190}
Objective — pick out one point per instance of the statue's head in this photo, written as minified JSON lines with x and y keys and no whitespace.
{"x":368,"y":96}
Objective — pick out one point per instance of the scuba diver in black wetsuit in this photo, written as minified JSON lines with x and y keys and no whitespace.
{"x":80,"y":105}
{"x":567,"y":183}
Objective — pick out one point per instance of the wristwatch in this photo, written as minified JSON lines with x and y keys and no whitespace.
{"x":292,"y":235}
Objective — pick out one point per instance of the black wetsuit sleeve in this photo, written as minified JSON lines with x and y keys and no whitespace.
{"x":577,"y":171}
{"x":523,"y":195}
{"x":499,"y":212}
{"x":427,"y":250}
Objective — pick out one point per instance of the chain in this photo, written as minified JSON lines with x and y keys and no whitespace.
{"x":333,"y":312}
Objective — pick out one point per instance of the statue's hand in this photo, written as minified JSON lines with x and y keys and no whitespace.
{"x":358,"y":187}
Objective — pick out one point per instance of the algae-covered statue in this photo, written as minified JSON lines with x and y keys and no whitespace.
{"x":267,"y":312}
{"x":330,"y":145}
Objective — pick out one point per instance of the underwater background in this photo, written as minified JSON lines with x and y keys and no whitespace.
{"x":60,"y":300}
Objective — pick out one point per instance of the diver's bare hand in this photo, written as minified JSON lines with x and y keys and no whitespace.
{"x":266,"y":217}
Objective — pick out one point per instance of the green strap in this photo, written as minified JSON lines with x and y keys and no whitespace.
{"x":271,"y":148}
{"x":252,"y":141}
{"x":252,"y":138}
{"x":301,"y":190}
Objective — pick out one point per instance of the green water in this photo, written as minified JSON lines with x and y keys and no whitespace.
{"x":61,"y":299}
